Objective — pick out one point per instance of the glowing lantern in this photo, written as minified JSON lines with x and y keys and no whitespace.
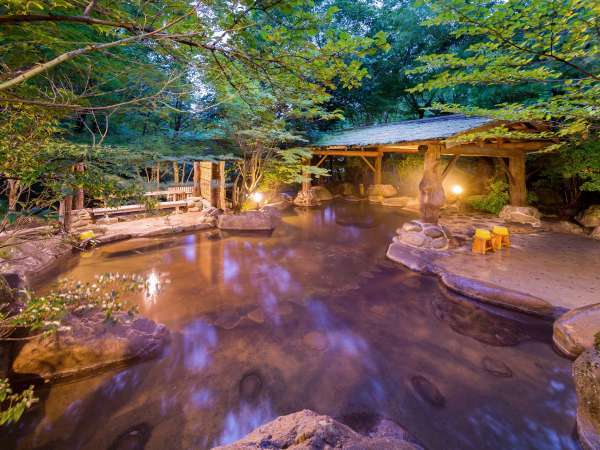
{"x":457,"y":189}
{"x":257,"y":197}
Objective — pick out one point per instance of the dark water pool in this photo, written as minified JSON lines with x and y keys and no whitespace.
{"x":312,"y":316}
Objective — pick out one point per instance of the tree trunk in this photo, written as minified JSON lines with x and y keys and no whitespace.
{"x":79,"y":196}
{"x":517,"y":187}
{"x":432,"y":196}
{"x":13,"y":194}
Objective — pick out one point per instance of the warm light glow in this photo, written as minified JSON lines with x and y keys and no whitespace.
{"x":152,"y":288}
{"x":457,"y":189}
{"x":257,"y":197}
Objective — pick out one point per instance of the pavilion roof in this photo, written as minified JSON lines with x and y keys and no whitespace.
{"x":410,"y":130}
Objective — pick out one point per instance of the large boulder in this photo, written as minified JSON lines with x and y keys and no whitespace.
{"x":564,"y":226}
{"x":396,"y":202}
{"x":322,"y":193}
{"x":426,"y":236}
{"x":246,"y":221}
{"x":306,"y":198}
{"x":36,"y":256}
{"x":574,"y":331}
{"x":521,"y":214}
{"x":590,"y":217}
{"x":89,"y":343}
{"x":383,"y":190}
{"x":586,"y":375}
{"x":306,"y":430}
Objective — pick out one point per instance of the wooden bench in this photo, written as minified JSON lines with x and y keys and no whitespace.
{"x":127,"y":209}
{"x":175,"y":193}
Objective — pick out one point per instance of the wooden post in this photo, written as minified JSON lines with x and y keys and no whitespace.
{"x":158,"y":176}
{"x":79,"y":195}
{"x":378,"y":163}
{"x":517,"y":186}
{"x":432,"y":196}
{"x":221,"y":203}
{"x":175,"y":172}
{"x":197,"y":192}
{"x":66,"y":206}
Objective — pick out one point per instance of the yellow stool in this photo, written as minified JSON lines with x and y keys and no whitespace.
{"x":500,"y":238}
{"x":482,"y":241}
{"x":86,"y":235}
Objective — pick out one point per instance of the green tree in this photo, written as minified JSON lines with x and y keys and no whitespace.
{"x":550,"y":44}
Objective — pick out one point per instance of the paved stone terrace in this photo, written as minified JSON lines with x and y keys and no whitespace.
{"x":561,"y":269}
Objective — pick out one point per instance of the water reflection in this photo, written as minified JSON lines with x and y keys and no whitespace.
{"x":243,"y":420}
{"x":309,"y":317}
{"x":199,"y":340}
{"x":151,"y":289}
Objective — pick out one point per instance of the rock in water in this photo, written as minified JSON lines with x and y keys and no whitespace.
{"x":396,"y":202}
{"x":91,"y":344}
{"x":586,"y":374}
{"x":381,"y":190}
{"x":247,"y":221}
{"x":306,"y":198}
{"x":322,"y":193}
{"x":590,"y":217}
{"x":521,"y":214}
{"x":574,"y":331}
{"x":306,"y":430}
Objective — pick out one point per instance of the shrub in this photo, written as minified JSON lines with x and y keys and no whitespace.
{"x":493,"y":202}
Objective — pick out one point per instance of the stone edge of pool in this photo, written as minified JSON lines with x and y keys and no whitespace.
{"x":426,"y":262}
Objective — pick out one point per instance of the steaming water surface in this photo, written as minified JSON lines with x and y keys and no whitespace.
{"x":312,"y":316}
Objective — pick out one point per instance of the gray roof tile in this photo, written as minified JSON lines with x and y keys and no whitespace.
{"x":409,"y":130}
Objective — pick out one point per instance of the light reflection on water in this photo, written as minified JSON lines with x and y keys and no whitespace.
{"x":312,"y":316}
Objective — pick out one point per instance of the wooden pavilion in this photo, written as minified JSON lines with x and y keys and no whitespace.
{"x":435,"y":137}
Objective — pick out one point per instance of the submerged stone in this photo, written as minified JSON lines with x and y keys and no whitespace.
{"x":496,"y":367}
{"x":428,"y":391}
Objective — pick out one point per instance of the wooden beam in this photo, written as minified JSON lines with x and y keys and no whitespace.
{"x":321,"y":161}
{"x":368,"y":163}
{"x":370,"y":154}
{"x":527,"y":146}
{"x":449,"y":167}
{"x":475,"y":150}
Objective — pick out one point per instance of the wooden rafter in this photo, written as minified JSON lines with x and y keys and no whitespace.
{"x":450,"y":165}
{"x":321,"y":161}
{"x":368,"y":163}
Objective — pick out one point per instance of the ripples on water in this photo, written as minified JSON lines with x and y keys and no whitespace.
{"x":311,"y":316}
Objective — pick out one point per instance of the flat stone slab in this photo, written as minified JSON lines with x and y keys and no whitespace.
{"x":574,"y":331}
{"x":156,"y":226}
{"x":542,"y":271}
{"x":247,"y":221}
